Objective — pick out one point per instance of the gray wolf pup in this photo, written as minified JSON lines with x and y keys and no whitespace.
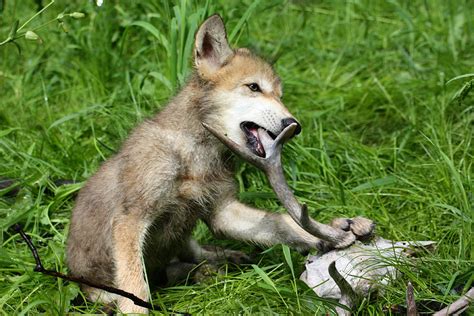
{"x":145,"y":201}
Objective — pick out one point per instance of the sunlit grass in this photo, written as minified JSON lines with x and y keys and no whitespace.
{"x":384,"y":135}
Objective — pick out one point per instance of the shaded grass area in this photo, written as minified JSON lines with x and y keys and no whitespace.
{"x":384,"y":135}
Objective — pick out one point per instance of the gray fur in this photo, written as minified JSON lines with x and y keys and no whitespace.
{"x":171,"y":172}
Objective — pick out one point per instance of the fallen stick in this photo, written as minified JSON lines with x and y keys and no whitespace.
{"x":410,"y":300}
{"x":40,"y":268}
{"x":458,"y":306}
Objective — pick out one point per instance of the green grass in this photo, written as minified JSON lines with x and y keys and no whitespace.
{"x":384,"y":134}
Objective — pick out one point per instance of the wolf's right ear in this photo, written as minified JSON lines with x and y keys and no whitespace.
{"x":211,"y":49}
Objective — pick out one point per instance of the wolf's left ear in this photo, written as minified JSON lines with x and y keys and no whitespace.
{"x":211,"y":48}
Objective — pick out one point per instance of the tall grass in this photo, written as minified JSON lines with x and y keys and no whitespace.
{"x":386,"y":134}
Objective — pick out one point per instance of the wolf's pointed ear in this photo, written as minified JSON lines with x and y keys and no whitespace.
{"x":211,"y":49}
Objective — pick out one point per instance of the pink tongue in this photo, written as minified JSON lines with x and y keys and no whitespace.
{"x":260,"y":149}
{"x":254,"y":131}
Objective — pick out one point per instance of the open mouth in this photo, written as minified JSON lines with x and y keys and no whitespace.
{"x":254,"y":140}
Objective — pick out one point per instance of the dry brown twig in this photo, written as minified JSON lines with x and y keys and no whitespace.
{"x":410,"y":300}
{"x":455,"y":308}
{"x":458,"y":306}
{"x":40,"y":268}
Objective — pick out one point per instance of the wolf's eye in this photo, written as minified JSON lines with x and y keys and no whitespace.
{"x":254,"y":87}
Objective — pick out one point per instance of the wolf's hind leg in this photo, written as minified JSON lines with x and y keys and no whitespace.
{"x":196,"y":253}
{"x":98,"y":295}
{"x":179,"y":271}
{"x":197,"y":263}
{"x":128,"y":235}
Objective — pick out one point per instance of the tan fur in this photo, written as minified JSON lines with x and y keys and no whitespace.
{"x":171,"y":172}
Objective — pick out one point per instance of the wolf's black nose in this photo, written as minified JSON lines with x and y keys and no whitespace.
{"x":288,"y":121}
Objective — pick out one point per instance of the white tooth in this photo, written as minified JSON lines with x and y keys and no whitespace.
{"x":265,"y":139}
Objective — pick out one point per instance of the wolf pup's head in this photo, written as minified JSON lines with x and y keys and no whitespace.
{"x":245,"y":90}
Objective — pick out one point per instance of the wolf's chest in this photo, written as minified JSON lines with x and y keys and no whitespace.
{"x":203,"y":178}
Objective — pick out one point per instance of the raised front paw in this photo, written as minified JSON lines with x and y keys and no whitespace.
{"x":361,"y":227}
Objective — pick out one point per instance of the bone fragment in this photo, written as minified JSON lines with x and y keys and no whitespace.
{"x":348,"y":296}
{"x":363,"y":266}
{"x":273,"y":169}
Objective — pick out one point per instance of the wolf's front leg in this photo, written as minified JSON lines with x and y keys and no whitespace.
{"x":128,"y":235}
{"x":239,"y":221}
